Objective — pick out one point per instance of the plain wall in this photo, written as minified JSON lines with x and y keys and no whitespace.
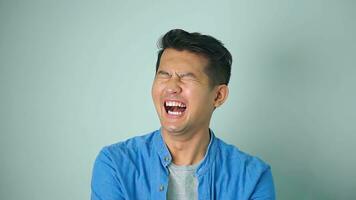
{"x":76,"y":76}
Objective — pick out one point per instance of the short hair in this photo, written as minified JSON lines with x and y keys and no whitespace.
{"x":219,"y":58}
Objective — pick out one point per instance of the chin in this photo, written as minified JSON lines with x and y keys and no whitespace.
{"x":173,"y":130}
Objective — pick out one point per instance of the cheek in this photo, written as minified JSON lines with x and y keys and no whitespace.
{"x":201,"y":97}
{"x":156,"y":92}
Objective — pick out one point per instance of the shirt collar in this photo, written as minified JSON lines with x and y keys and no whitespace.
{"x":162,"y":148}
{"x":166,"y":158}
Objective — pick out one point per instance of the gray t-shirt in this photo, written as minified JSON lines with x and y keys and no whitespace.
{"x":182,"y":184}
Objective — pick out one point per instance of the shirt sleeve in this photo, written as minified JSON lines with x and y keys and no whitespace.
{"x":264,"y":189}
{"x":104,"y":184}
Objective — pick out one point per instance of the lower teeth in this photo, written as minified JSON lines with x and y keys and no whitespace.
{"x":174,"y":113}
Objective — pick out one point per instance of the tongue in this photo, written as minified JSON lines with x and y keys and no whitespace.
{"x":177,"y":109}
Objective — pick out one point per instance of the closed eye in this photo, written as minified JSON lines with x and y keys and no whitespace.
{"x":188,"y":76}
{"x":163,"y":74}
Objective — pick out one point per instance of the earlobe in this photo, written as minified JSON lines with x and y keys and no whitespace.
{"x":221,"y":95}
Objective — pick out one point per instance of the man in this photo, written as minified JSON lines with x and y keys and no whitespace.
{"x":183,"y":159}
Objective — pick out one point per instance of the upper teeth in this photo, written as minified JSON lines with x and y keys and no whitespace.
{"x":175,"y":103}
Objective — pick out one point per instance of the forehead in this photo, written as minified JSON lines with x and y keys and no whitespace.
{"x":184,"y":60}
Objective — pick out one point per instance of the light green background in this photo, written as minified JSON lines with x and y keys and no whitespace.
{"x":76,"y":75}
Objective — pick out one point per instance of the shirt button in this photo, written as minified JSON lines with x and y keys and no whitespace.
{"x":166,"y":158}
{"x":161,"y":188}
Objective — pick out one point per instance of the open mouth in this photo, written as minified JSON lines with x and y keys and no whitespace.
{"x":175,"y":108}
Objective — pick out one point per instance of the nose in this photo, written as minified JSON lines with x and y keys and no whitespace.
{"x":173,"y":86}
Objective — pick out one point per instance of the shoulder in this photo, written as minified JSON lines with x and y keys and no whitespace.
{"x":231,"y":155}
{"x":250,"y":172}
{"x":115,"y":165}
{"x":128,"y":149}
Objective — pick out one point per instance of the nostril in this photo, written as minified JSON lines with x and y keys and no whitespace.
{"x":170,"y":90}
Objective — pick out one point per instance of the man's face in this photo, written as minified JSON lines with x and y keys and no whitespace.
{"x":183,"y":98}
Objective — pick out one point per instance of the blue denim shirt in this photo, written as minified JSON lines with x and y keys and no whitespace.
{"x":136,"y":169}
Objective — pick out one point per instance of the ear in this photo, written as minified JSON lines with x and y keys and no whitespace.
{"x":222,"y":92}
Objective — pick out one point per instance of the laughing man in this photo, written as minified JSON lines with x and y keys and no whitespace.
{"x":183,"y":159}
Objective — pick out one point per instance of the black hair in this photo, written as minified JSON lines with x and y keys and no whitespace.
{"x":220,"y":59}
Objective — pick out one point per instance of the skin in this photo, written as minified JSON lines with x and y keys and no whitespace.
{"x":181,"y":77}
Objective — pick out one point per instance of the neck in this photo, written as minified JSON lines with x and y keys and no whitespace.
{"x":187,"y":149}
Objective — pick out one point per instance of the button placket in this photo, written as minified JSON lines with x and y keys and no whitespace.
{"x":166,"y":158}
{"x":161,"y":188}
